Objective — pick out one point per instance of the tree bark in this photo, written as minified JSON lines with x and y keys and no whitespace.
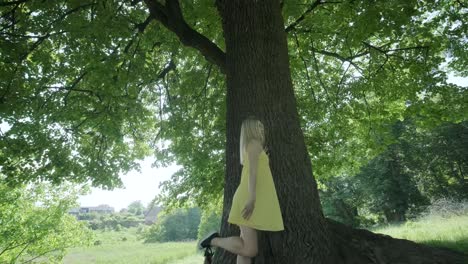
{"x":259,"y":83}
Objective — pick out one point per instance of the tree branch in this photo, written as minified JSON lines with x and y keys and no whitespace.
{"x":340,"y":84}
{"x":305,"y":67}
{"x":73,"y":85}
{"x":317,"y":71}
{"x":50,"y":33}
{"x":170,"y":15}
{"x":170,"y":66}
{"x":387,"y":52}
{"x":12,"y":247}
{"x":341,"y":58}
{"x":205,"y":86}
{"x":309,"y":10}
{"x":40,"y":255}
{"x":22,"y":251}
{"x":72,"y":88}
{"x":13,"y":3}
{"x":461,"y":4}
{"x":302,"y":17}
{"x":142,"y":26}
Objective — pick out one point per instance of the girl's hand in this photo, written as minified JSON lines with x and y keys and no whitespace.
{"x":248,"y":209}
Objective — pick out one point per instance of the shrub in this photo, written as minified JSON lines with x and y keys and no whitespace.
{"x":34,"y":222}
{"x":210,"y":221}
{"x":180,"y":225}
{"x":446,"y":207}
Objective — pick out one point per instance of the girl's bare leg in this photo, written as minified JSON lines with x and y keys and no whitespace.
{"x":232,"y":244}
{"x":245,"y":246}
{"x":243,"y":260}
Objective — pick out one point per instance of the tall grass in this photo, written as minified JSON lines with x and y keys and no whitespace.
{"x":443,"y":224}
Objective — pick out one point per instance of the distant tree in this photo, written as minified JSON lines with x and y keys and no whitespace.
{"x":34,"y":223}
{"x":438,"y":159}
{"x":210,"y":221}
{"x":181,"y":224}
{"x":88,"y":216}
{"x":115,"y":221}
{"x":389,"y":189}
{"x":420,"y":165}
{"x":136,"y":208}
{"x":339,"y":196}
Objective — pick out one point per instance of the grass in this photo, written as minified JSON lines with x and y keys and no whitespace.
{"x":449,"y":231}
{"x":132,"y":252}
{"x":434,"y":230}
{"x":112,"y":237}
{"x":194,"y":259}
{"x":115,"y":250}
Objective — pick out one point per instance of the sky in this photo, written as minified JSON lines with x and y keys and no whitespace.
{"x":143,"y":186}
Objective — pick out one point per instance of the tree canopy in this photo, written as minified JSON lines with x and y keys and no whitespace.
{"x":87,"y":88}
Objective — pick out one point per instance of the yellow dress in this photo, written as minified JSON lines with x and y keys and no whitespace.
{"x":267,"y":212}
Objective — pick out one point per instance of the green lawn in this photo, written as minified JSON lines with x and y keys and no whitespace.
{"x":124,"y":247}
{"x":451,"y":232}
{"x":194,"y":259}
{"x":135,"y":252}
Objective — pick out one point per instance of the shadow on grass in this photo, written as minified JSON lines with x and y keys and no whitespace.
{"x":460,"y":245}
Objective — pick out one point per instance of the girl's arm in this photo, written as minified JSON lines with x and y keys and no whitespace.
{"x":254,"y":148}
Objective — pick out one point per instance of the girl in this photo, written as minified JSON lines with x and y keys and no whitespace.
{"x":255,"y":204}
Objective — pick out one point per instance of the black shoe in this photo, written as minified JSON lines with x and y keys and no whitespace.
{"x":206,"y":242}
{"x":208,"y":255}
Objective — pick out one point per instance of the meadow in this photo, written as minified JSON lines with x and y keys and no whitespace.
{"x":435,"y":230}
{"x":124,"y":246}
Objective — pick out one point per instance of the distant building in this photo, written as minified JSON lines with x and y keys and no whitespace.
{"x":74,"y":211}
{"x":152,"y":215}
{"x":101,"y":209}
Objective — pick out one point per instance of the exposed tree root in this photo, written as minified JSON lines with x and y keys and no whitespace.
{"x":356,"y":246}
{"x":360,"y":246}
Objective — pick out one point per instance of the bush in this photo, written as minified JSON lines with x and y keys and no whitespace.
{"x":156,"y":233}
{"x":210,"y":221}
{"x":446,"y":207}
{"x":180,"y":225}
{"x":34,"y":222}
{"x":112,"y":221}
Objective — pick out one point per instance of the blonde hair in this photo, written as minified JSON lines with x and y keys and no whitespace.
{"x":252,"y":128}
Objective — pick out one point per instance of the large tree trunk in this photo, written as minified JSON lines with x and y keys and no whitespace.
{"x":259,"y":83}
